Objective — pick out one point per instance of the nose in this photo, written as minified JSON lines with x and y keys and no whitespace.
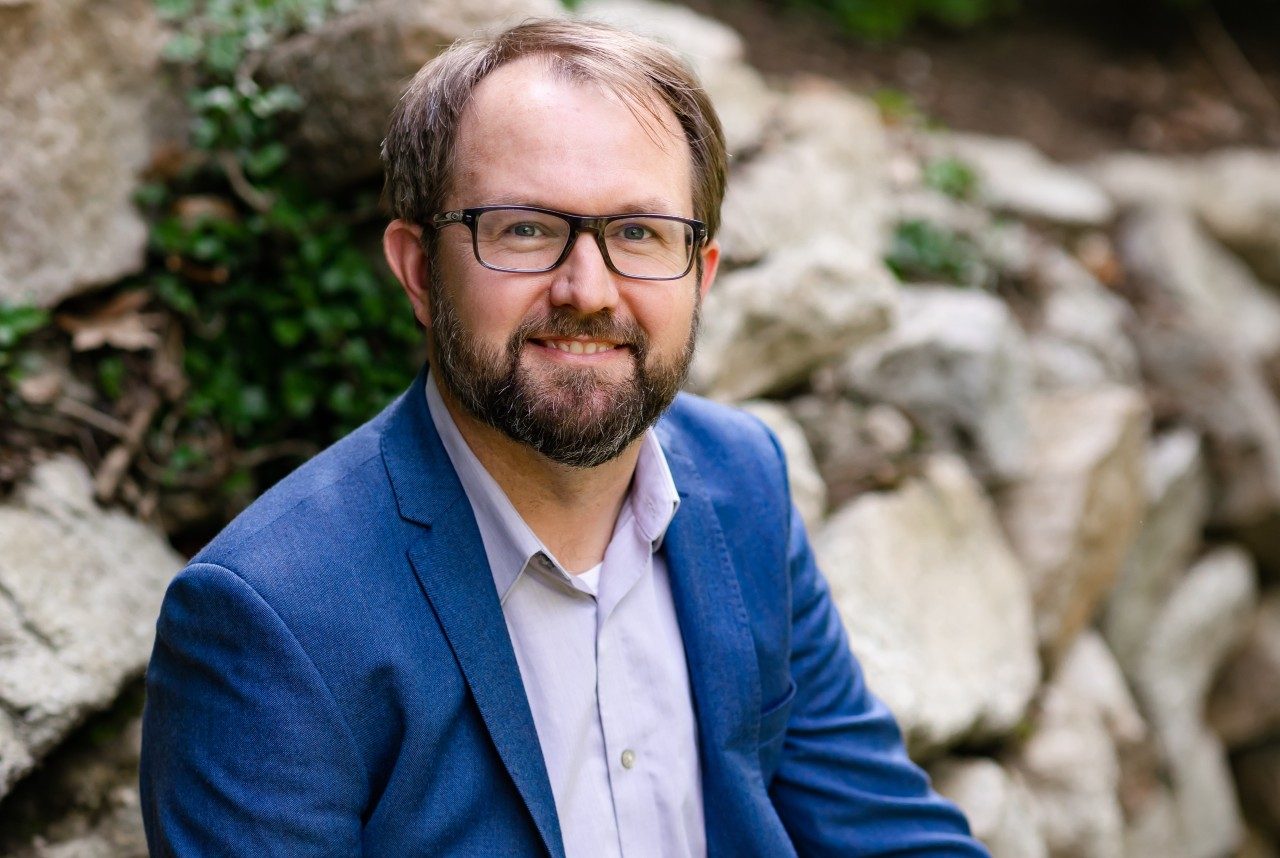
{"x":583,"y":281}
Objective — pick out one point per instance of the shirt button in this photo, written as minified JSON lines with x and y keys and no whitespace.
{"x":628,"y":758}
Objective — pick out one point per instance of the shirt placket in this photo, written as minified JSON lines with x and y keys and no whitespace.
{"x":626,"y":564}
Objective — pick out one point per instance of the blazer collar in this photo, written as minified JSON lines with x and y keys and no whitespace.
{"x":719,"y":650}
{"x":448,"y":558}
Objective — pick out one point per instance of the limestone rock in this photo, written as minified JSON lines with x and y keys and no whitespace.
{"x":1091,"y":674}
{"x":856,"y":448}
{"x":1071,"y":767}
{"x":1244,"y":707}
{"x":936,"y":606}
{"x":1015,"y":177}
{"x":1205,"y":331}
{"x":1235,"y":193}
{"x":716,"y":53}
{"x":766,"y":327}
{"x":351,"y":71}
{"x":1238,"y":199}
{"x":85,"y":801}
{"x":80,"y":589}
{"x":1000,"y":810}
{"x":822,"y":171}
{"x":1202,"y":621}
{"x":77,"y":81}
{"x":1156,"y":829}
{"x":808,"y":492}
{"x":1082,"y":338}
{"x":1073,"y":518}
{"x":956,"y":361}
{"x":1136,"y":180}
{"x":1177,"y":506}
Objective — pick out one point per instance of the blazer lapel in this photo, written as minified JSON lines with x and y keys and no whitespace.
{"x":718,"y":648}
{"x":449,"y":560}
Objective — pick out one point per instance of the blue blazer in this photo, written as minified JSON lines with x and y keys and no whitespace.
{"x":332,"y":675}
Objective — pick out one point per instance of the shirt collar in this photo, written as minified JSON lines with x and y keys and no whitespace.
{"x":509,"y":542}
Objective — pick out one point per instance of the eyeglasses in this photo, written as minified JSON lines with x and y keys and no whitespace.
{"x":529,"y":240}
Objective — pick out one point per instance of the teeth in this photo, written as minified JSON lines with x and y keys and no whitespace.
{"x":576,"y":347}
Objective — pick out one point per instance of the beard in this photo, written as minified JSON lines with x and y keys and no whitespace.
{"x":572,"y":415}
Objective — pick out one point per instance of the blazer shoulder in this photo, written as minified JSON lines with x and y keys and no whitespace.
{"x":727,"y":445}
{"x":336,"y":492}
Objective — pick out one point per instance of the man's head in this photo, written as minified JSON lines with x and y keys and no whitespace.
{"x":577,"y":118}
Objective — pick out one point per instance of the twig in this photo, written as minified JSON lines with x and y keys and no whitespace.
{"x":256,"y":199}
{"x":116,"y":463}
{"x":95,"y":418}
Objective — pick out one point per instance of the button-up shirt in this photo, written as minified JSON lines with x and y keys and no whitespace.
{"x":602,"y":661}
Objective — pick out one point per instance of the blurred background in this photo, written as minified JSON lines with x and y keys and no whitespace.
{"x":1001,"y":275}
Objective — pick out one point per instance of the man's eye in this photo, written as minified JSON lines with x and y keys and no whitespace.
{"x":525,"y":230}
{"x":634,"y":232}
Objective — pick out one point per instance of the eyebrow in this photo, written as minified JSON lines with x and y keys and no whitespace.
{"x":646,"y":205}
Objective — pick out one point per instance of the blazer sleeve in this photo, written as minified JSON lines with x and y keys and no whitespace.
{"x":845,"y":785}
{"x":244,"y":751}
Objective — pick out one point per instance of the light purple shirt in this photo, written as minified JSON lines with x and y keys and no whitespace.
{"x":602,"y":661}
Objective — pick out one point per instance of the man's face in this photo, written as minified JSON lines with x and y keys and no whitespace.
{"x":578,"y":361}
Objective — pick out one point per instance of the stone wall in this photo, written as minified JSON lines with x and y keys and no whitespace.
{"x":1046,"y":496}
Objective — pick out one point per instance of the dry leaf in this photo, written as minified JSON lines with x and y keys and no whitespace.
{"x":116,"y":323}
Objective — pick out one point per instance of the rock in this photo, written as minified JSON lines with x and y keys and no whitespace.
{"x":999,"y":808}
{"x":1235,"y":193}
{"x":1156,"y":829}
{"x":821,"y":171}
{"x":716,"y":53}
{"x":957,"y":362}
{"x":84,"y":799}
{"x":1091,"y":675}
{"x":1072,"y":519}
{"x":1135,"y":180}
{"x":1238,"y":198}
{"x":1244,"y":706}
{"x":856,"y":448}
{"x":1072,"y":770}
{"x":1202,"y":622}
{"x":808,"y":492}
{"x":1205,"y":330}
{"x":80,"y":589}
{"x":1177,"y":507}
{"x":77,"y":82}
{"x":1258,"y":774}
{"x":1015,"y":177}
{"x":767,"y":327}
{"x":1081,"y":339}
{"x":936,"y":606}
{"x":351,"y":71}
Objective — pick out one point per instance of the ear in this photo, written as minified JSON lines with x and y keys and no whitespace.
{"x":710,"y":264}
{"x":402,"y":245}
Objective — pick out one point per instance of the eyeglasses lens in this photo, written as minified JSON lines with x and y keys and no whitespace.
{"x":637,"y":246}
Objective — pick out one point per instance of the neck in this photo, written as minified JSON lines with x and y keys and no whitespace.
{"x":572,"y":510}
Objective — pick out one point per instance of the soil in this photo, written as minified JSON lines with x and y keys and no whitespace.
{"x":1078,"y":84}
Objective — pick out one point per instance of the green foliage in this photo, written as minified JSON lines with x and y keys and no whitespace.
{"x":880,"y":20}
{"x":950,"y":176}
{"x":17,"y":322}
{"x":291,"y":331}
{"x":922,"y":250}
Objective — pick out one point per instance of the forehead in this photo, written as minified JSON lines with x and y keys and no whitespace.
{"x":531,"y":134}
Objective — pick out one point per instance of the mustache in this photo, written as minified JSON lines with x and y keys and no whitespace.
{"x":565,"y":323}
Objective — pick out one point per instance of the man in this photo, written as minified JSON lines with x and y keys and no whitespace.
{"x":508,"y":617}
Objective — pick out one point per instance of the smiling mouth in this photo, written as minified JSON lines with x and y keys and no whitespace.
{"x":578,"y":347}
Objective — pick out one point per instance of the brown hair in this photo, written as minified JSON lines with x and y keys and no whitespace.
{"x":418,"y":151}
